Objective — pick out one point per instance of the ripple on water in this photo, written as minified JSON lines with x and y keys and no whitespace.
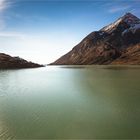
{"x":4,"y":132}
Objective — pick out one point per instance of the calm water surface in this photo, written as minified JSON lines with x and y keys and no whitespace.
{"x":70,"y":102}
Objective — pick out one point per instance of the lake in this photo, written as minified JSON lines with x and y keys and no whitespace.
{"x":70,"y":102}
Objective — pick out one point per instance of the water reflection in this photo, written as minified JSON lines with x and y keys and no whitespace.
{"x":61,"y":103}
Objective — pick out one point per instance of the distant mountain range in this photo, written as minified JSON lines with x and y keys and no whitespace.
{"x":117,"y":43}
{"x":9,"y":62}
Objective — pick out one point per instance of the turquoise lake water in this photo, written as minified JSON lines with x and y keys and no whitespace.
{"x":70,"y":102}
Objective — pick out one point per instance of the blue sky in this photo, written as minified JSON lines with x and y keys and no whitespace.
{"x":43,"y":30}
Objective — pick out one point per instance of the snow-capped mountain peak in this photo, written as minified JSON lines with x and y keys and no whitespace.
{"x":117,"y":43}
{"x":133,"y":22}
{"x":128,"y":19}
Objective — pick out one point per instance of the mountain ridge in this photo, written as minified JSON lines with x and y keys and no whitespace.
{"x":106,"y":45}
{"x":9,"y":62}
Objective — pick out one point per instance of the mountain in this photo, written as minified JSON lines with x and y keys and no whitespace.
{"x":131,"y":56}
{"x":117,"y":43}
{"x":9,"y":62}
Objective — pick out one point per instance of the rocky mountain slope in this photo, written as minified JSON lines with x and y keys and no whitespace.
{"x":130,"y":56}
{"x":117,"y":43}
{"x":9,"y":62}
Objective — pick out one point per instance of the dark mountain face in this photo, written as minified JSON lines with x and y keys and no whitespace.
{"x":130,"y":56}
{"x":8,"y":62}
{"x":106,"y":45}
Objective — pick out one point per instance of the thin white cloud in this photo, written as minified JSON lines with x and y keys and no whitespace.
{"x":116,"y":9}
{"x":4,"y":4}
{"x":12,"y":34}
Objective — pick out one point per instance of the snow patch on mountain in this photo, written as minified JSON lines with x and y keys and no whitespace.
{"x":111,"y":27}
{"x":132,"y":29}
{"x":129,"y":19}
